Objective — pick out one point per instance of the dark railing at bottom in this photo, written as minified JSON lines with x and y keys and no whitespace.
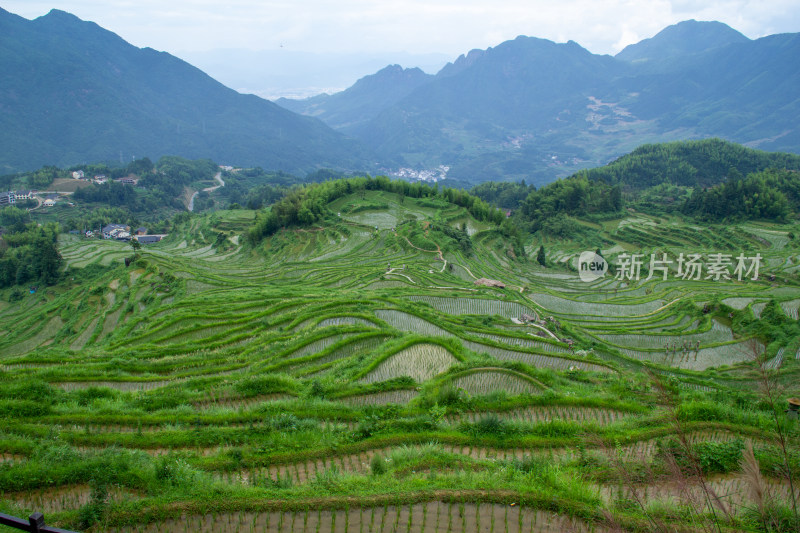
{"x":34,"y":524}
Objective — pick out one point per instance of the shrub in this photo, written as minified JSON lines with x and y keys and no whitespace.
{"x":173,"y":472}
{"x":330,"y":479}
{"x":93,"y":512}
{"x":38,"y":391}
{"x":367,"y":427}
{"x":317,"y":390}
{"x":378,"y":465}
{"x":22,"y":408}
{"x":166,"y":398}
{"x":722,"y":457}
{"x":88,"y":394}
{"x":417,"y":424}
{"x":776,"y":518}
{"x":15,"y":295}
{"x":490,"y":425}
{"x":449,"y":396}
{"x":530,"y":464}
{"x":259,"y":385}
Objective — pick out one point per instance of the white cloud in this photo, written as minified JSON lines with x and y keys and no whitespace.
{"x":628,"y":37}
{"x":449,"y":26}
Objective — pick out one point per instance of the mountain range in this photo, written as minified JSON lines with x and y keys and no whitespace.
{"x":528,"y":108}
{"x":73,"y":92}
{"x":534,"y":109}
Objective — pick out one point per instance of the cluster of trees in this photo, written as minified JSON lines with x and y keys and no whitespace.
{"x":96,"y":218}
{"x":160,"y":186}
{"x":460,"y":235}
{"x":255,"y":188}
{"x":112,"y":193}
{"x":698,"y":178}
{"x":306,"y":205}
{"x":688,"y":163}
{"x":28,"y":252}
{"x":476,"y":207}
{"x":575,"y":196}
{"x":505,"y":194}
{"x":772,"y":195}
{"x":37,"y":180}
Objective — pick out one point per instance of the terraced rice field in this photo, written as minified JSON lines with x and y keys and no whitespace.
{"x":413,"y":518}
{"x":307,"y":387}
{"x":550,"y":413}
{"x":473,"y":306}
{"x":420,"y":362}
{"x":487,"y":381}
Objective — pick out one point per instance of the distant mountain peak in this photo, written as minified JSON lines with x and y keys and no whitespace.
{"x":390,"y":74}
{"x":393,"y":70}
{"x":684,"y":38}
{"x":463,"y":62}
{"x":365,"y":99}
{"x":59,"y":15}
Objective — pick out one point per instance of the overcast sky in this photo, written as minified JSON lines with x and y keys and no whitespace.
{"x":416,"y":26}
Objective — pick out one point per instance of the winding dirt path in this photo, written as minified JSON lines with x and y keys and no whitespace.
{"x":220,"y":183}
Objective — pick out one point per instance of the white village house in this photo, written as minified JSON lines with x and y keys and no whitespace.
{"x":7,"y":198}
{"x":116,"y":231}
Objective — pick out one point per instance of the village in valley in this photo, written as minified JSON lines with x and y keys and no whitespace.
{"x":33,"y":200}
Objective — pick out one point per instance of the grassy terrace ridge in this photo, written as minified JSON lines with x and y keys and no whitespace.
{"x":349,"y":374}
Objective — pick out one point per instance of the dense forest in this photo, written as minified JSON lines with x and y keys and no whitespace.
{"x":771,"y":195}
{"x":688,"y":163}
{"x":767,"y":195}
{"x":505,"y":194}
{"x":28,"y":252}
{"x":711,"y":180}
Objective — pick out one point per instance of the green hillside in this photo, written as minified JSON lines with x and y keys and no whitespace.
{"x":689,"y":163}
{"x":74,"y":92}
{"x":697,"y":179}
{"x":353,"y":374}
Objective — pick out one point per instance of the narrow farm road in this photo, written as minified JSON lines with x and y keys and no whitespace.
{"x":218,"y":179}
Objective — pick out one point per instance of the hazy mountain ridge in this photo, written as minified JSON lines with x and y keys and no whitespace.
{"x":685,"y":38}
{"x":371,"y":94}
{"x":77,"y":93}
{"x":526,"y":108}
{"x":530,"y":108}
